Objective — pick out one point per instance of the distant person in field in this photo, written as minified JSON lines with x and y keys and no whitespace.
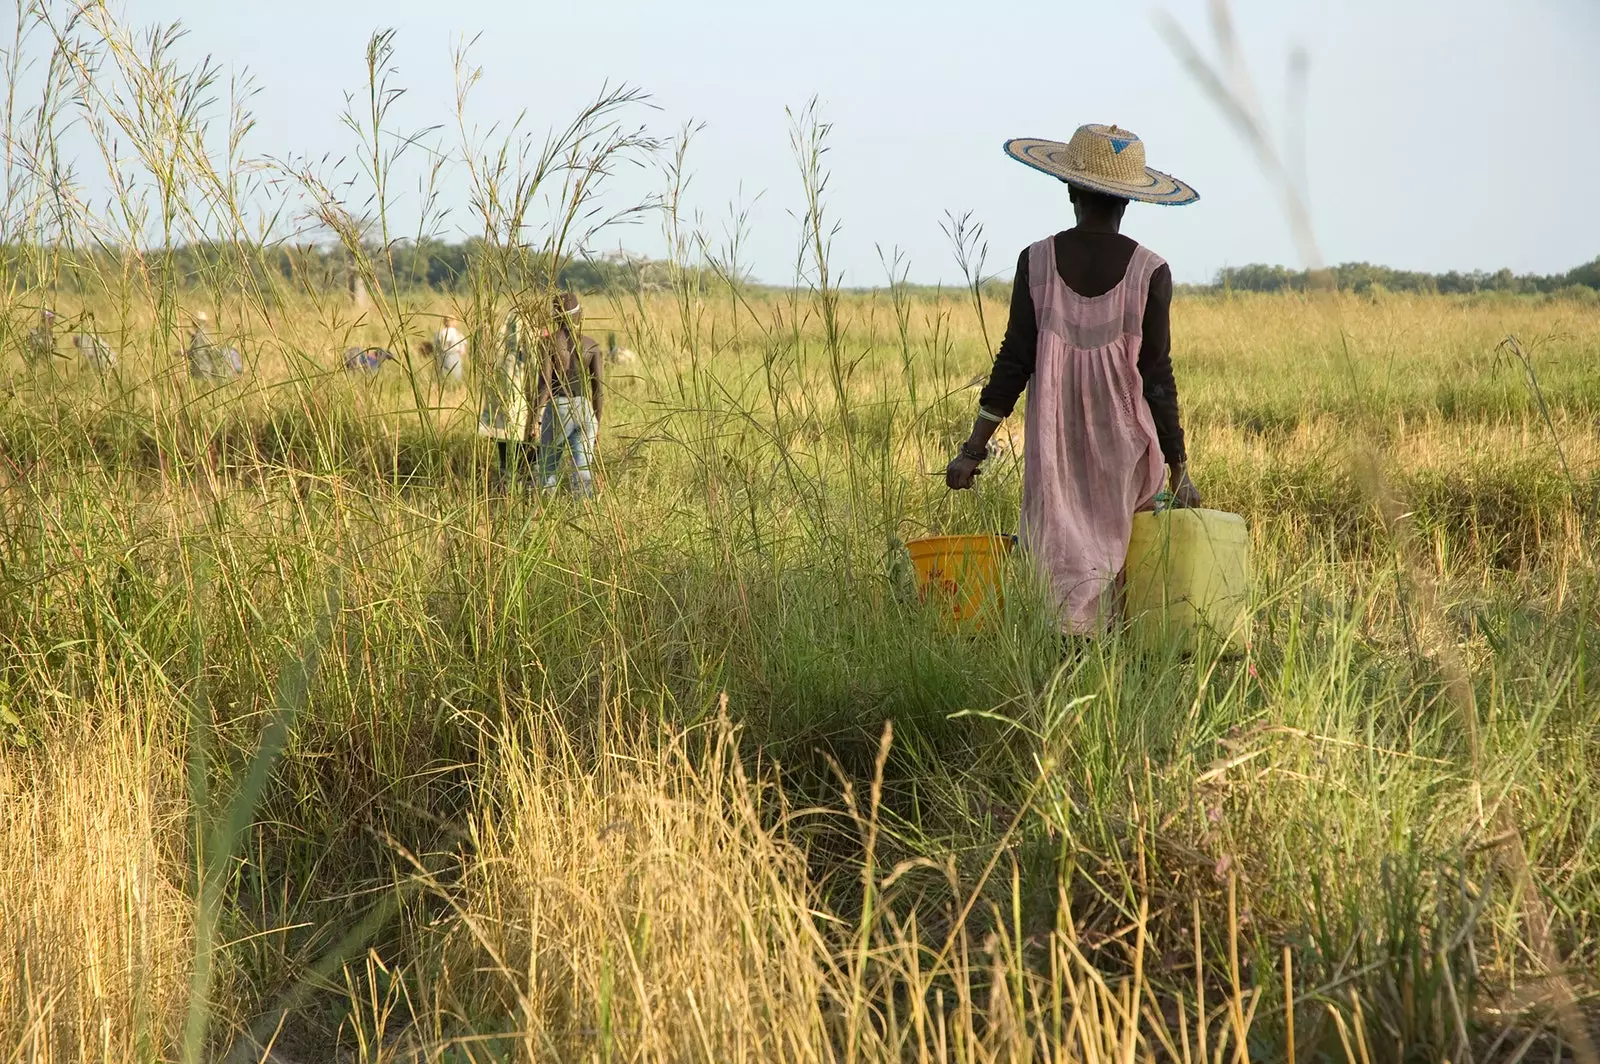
{"x":543,"y":399}
{"x":39,"y":347}
{"x":1090,"y":340}
{"x":449,"y":350}
{"x":93,"y":349}
{"x":508,"y":393}
{"x":572,"y":395}
{"x":207,"y":361}
{"x":366,"y":360}
{"x":619,"y":356}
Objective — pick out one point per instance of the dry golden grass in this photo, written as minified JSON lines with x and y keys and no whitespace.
{"x":94,"y":915}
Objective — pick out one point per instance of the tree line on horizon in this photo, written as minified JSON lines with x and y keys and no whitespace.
{"x":446,"y":267}
{"x":403,"y":266}
{"x":1365,"y":277}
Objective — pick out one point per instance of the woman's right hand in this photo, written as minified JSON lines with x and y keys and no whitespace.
{"x":1184,"y":494}
{"x":961,"y":471}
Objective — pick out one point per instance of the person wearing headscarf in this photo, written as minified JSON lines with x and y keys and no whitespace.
{"x":1090,"y":340}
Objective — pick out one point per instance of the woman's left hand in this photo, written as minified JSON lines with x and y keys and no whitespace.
{"x":958,"y":475}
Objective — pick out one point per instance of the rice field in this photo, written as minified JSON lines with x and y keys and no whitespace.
{"x":319,"y":744}
{"x":406,"y":768}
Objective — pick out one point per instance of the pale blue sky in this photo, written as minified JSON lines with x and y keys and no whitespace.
{"x":1462,"y":134}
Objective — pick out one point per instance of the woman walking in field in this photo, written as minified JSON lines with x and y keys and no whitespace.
{"x":1090,"y":339}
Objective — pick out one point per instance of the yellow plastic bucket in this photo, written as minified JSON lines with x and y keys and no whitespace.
{"x":961,"y":574}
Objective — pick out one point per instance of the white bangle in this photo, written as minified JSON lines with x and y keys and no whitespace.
{"x":996,"y":418}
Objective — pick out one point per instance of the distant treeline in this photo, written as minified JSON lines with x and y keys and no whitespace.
{"x":1364,"y":277}
{"x":403,"y":266}
{"x":445,"y":267}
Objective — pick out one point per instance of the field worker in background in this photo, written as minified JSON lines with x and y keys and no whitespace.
{"x":572,"y":379}
{"x":543,"y":397}
{"x":366,"y":360}
{"x":619,"y":356}
{"x":207,"y":361}
{"x":92,"y":349}
{"x":508,"y":390}
{"x":1090,"y":339}
{"x":40,"y":345}
{"x":449,"y":349}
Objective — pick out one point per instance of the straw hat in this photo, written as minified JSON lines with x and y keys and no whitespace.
{"x":1104,"y":159}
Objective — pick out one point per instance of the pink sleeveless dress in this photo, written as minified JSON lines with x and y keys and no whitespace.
{"x":1091,"y":457}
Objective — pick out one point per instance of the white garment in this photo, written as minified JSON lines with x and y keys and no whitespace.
{"x":450,"y":349}
{"x":95,"y":351}
{"x":508,"y":387}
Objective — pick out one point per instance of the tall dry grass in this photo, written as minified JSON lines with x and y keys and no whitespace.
{"x":501,"y":777}
{"x":95,"y":923}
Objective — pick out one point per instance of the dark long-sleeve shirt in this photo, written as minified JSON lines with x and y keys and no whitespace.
{"x":1092,"y":263}
{"x":575,"y":368}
